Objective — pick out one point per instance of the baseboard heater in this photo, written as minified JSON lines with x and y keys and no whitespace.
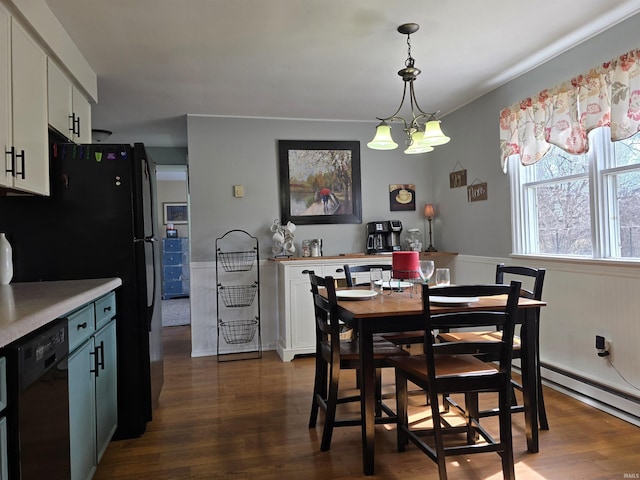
{"x":612,"y":400}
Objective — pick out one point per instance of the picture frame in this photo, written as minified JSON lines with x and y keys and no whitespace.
{"x":319,"y":181}
{"x":402,"y":197}
{"x":176,"y":213}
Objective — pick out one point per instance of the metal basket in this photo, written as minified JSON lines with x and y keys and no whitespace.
{"x":237,"y":261}
{"x":238,"y":295}
{"x":238,"y":331}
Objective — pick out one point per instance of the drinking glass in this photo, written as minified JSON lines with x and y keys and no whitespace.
{"x":376,"y":279}
{"x":442,"y":277}
{"x":426,"y":270}
{"x":386,"y":280}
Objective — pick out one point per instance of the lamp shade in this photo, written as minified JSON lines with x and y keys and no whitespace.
{"x":433,"y":135}
{"x":416,"y":145}
{"x":429,"y":211}
{"x":382,"y":140}
{"x":99,"y":135}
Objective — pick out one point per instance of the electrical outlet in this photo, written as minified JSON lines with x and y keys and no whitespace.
{"x":602,"y":346}
{"x":238,"y":191}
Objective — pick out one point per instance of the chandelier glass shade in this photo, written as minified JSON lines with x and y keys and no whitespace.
{"x":422,"y":130}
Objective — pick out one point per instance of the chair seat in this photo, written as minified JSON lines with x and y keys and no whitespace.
{"x":476,"y":337}
{"x":446,"y":365}
{"x":405,"y":338}
{"x":350,"y":351}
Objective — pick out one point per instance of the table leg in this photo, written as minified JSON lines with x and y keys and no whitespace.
{"x":529,"y":377}
{"x":367,"y":393}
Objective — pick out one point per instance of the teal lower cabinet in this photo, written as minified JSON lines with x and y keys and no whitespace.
{"x":92,"y":384}
{"x":106,"y":387}
{"x":82,"y":412}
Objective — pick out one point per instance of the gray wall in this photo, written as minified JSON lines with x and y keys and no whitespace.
{"x":228,"y":151}
{"x":484,"y":228}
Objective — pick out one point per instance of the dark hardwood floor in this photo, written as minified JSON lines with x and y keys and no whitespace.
{"x":248,"y":419}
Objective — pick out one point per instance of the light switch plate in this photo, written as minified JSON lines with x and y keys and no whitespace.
{"x":238,"y":191}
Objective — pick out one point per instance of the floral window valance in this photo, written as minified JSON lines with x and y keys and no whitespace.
{"x":608,"y":95}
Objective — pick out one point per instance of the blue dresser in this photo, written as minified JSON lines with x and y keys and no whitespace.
{"x":175,"y":267}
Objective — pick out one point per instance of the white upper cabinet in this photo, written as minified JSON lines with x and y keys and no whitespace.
{"x":6,"y":180}
{"x":69,"y":111}
{"x":24,"y":108}
{"x":82,"y":112}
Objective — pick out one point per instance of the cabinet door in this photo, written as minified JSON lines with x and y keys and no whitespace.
{"x":59,"y":100}
{"x":106,"y":387}
{"x":82,"y":112}
{"x":29,"y":83}
{"x":303,"y":330}
{"x":6,"y":179}
{"x":82,"y":412}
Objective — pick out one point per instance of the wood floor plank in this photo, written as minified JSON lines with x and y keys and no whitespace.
{"x":248,"y":420}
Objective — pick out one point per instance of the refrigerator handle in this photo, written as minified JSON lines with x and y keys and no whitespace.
{"x":150,"y":239}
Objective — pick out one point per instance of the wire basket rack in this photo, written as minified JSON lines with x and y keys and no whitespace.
{"x":237,"y":261}
{"x":236,"y":332}
{"x":238,"y":295}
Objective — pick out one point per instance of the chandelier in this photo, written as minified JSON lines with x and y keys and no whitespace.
{"x":422,"y":129}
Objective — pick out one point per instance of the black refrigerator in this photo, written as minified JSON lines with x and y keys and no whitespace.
{"x":99,"y":221}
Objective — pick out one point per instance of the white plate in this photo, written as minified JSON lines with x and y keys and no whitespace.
{"x":355,"y":294}
{"x":394,"y":284}
{"x":452,"y":300}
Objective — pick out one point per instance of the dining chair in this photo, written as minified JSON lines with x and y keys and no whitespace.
{"x":334,"y":355}
{"x":397,"y":338}
{"x":459,"y":370}
{"x":535,"y":281}
{"x":349,"y":270}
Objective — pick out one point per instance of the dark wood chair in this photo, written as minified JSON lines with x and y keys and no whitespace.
{"x":334,"y":355}
{"x":535,"y":282}
{"x":349,"y":270}
{"x":454,"y":367}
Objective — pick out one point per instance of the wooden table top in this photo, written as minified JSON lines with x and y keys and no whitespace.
{"x":401,"y":304}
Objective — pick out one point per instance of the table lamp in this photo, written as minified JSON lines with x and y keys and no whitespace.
{"x":429,"y":213}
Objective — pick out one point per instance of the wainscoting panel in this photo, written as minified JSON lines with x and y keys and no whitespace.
{"x":585,"y":299}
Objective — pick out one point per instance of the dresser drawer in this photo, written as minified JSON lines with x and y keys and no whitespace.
{"x":172,"y":244}
{"x":173,"y":288}
{"x":299,"y":272}
{"x":172,"y":258}
{"x":105,"y":309}
{"x":82,"y":324}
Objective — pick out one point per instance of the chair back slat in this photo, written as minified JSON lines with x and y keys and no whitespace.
{"x":534,"y":277}
{"x":349,"y":270}
{"x":326,"y":313}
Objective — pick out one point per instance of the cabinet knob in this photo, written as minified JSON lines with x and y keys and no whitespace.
{"x":82,"y":325}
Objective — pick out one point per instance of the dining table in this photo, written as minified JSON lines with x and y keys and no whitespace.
{"x":396,"y":311}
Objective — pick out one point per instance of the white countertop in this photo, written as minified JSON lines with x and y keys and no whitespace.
{"x":25,"y":307}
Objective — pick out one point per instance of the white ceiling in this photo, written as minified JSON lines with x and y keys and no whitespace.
{"x":158,"y":60}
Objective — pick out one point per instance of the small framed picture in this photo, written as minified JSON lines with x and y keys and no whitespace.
{"x":175,"y":213}
{"x":402,"y":197}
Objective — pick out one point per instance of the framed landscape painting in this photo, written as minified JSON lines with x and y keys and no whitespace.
{"x":320,"y":181}
{"x":175,"y":213}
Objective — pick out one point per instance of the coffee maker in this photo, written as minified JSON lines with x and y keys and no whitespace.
{"x":383,"y":237}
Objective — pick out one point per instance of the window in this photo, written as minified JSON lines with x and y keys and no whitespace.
{"x":584,"y":205}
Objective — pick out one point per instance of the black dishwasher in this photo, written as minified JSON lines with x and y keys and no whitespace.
{"x":38,"y":388}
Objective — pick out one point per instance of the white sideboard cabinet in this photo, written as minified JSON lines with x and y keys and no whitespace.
{"x":296,"y":327}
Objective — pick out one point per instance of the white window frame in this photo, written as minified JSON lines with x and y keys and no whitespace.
{"x":602,"y":200}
